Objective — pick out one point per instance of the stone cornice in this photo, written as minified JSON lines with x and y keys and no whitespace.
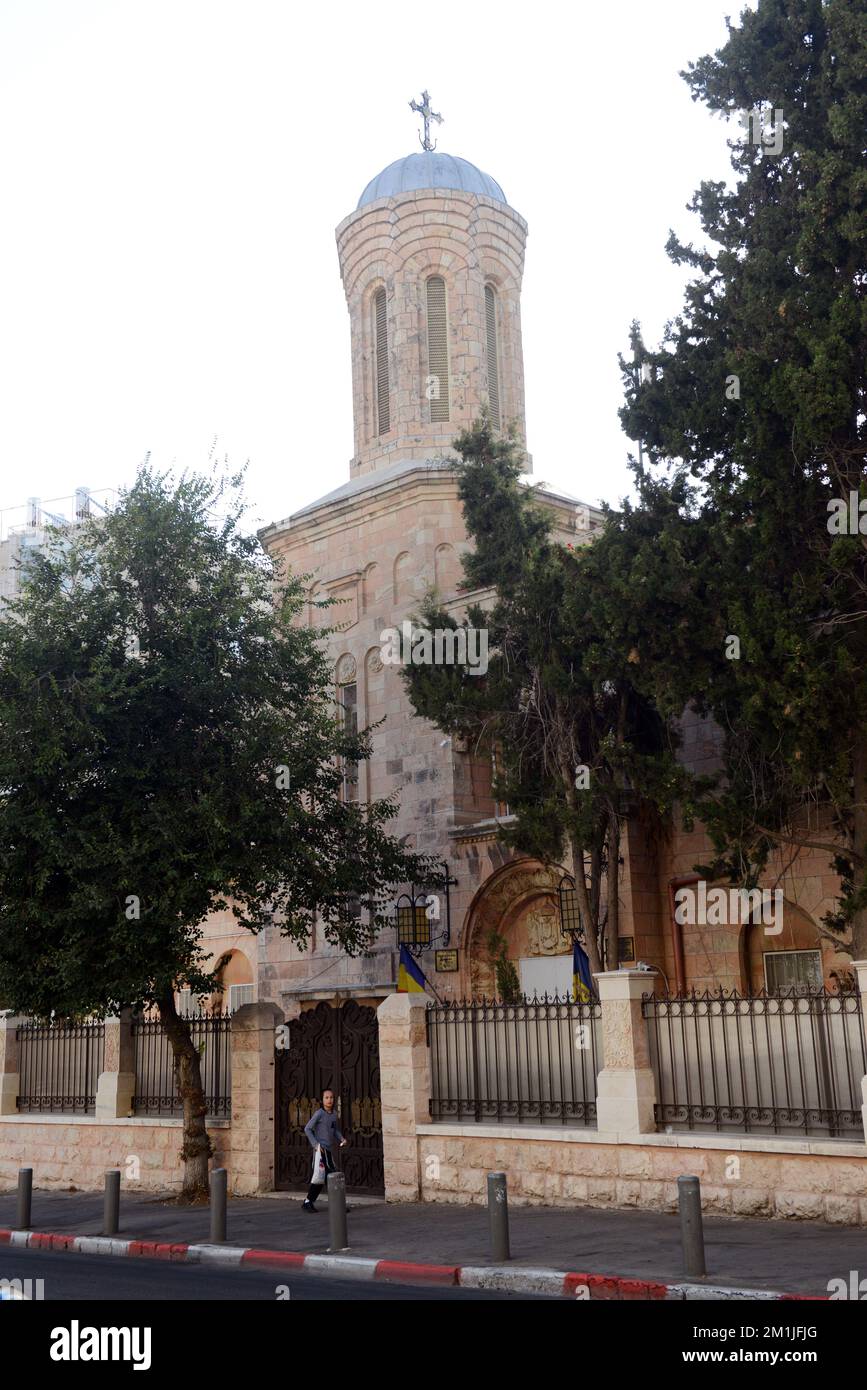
{"x":479,"y":831}
{"x":407,"y":489}
{"x":444,"y":196}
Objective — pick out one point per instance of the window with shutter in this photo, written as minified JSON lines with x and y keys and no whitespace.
{"x":493,"y":367}
{"x":383,"y":412}
{"x":437,"y":349}
{"x":240,"y":995}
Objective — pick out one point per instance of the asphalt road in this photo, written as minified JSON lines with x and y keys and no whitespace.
{"x":101,"y":1278}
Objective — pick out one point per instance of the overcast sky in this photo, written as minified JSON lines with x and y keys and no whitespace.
{"x":172,"y":173}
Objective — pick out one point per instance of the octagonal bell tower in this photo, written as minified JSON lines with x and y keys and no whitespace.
{"x":432,"y":261}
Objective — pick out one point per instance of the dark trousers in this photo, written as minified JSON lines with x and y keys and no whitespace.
{"x":315,"y":1189}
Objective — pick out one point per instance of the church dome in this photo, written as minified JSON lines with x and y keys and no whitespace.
{"x":430,"y":170}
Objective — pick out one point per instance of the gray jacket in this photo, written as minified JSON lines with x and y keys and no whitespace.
{"x":322,"y":1128}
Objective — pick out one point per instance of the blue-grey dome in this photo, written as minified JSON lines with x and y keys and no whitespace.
{"x":430,"y":170}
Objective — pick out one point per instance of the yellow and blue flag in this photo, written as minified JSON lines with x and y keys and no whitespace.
{"x":410,"y":979}
{"x":582,"y":981}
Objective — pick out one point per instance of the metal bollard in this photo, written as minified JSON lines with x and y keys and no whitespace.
{"x":498,"y":1211}
{"x":219,"y":1191}
{"x":25,"y":1198}
{"x":691,"y":1228}
{"x":111,"y":1203}
{"x":337,"y":1213}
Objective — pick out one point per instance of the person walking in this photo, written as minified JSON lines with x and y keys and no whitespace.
{"x":322,"y":1130}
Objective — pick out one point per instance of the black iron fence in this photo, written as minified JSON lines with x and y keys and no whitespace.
{"x":156,"y":1091}
{"x":59,"y":1065}
{"x":790,"y":1062}
{"x":535,"y":1060}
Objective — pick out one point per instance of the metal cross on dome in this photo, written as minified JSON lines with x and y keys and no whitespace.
{"x":428,"y":115}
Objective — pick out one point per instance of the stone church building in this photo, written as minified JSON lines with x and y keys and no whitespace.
{"x":432,"y":260}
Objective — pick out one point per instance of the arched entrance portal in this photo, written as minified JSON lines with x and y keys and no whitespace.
{"x":516,"y":913}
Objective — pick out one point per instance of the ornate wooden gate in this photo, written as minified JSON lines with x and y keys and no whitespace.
{"x":333,"y":1049}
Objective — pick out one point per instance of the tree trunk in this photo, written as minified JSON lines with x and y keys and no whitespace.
{"x":591,"y":944}
{"x":859,"y":842}
{"x":197,"y":1147}
{"x":612,"y":925}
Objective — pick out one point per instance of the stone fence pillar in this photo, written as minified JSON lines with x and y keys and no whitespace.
{"x":861,"y":972}
{"x":254,"y":1029}
{"x":115,"y":1087}
{"x":626,"y":1086}
{"x":10,"y":1080}
{"x":405,"y":1081}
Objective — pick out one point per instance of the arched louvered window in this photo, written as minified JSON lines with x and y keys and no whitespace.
{"x":493,"y":366}
{"x":383,"y":412}
{"x":348,"y":698}
{"x":437,"y":349}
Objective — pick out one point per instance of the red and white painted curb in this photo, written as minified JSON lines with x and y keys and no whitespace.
{"x":547,"y":1283}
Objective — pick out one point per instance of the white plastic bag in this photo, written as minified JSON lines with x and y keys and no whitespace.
{"x":319,"y":1168}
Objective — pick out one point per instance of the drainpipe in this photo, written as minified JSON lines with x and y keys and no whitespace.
{"x":677,"y":930}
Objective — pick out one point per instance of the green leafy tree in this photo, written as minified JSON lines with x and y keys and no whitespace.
{"x":759,"y":392}
{"x":579,"y":746}
{"x":169,"y":748}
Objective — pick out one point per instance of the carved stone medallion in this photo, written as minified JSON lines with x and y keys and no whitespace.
{"x":346,"y":669}
{"x":543,"y":932}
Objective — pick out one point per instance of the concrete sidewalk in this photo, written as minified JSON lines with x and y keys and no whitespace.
{"x":785,"y":1256}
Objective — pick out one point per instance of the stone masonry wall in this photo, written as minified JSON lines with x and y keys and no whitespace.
{"x":553,"y":1171}
{"x":625,"y":1163}
{"x":67,"y":1151}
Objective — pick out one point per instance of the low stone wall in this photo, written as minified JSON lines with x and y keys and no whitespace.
{"x":623,"y":1163}
{"x":75,"y":1150}
{"x":67,"y":1151}
{"x":740,"y":1176}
